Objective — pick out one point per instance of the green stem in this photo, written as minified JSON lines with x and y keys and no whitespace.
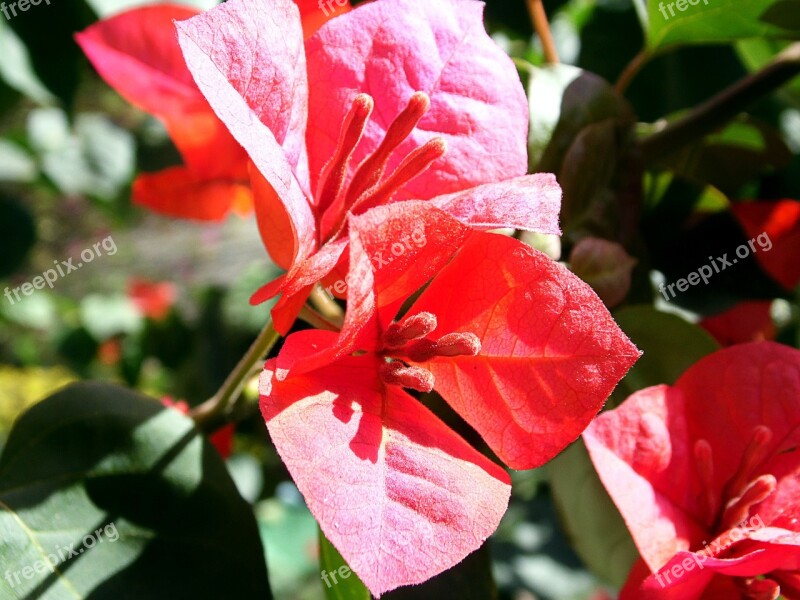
{"x":716,"y":112}
{"x":211,"y":415}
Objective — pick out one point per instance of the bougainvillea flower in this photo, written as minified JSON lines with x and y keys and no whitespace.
{"x":749,"y":321}
{"x":392,"y":101}
{"x":706,"y":474}
{"x":517,"y":345}
{"x":780,"y":220}
{"x":137,"y":53}
{"x":222,"y":439}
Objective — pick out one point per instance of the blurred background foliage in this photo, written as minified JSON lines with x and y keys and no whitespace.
{"x":168,"y":312}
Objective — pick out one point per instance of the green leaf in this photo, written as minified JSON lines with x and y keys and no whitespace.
{"x":592,"y":522}
{"x":339,"y":582}
{"x":670,"y":345}
{"x":709,"y":21}
{"x":134,"y":491}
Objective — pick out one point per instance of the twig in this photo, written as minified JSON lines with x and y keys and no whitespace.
{"x":210,"y":415}
{"x":542,"y":27}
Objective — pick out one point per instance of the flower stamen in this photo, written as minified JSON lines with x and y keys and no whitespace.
{"x":334,"y":173}
{"x":411,"y":328}
{"x":754,"y":454}
{"x":414,"y":378}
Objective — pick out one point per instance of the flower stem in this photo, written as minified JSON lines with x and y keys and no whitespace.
{"x":211,"y":415}
{"x":723,"y":107}
{"x":542,"y":27}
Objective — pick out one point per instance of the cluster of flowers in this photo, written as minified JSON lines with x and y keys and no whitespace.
{"x":346,"y":136}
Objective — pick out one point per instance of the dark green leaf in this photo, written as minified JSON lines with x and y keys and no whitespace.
{"x":132,"y":488}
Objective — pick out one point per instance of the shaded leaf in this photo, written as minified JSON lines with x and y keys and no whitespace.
{"x":130,"y":486}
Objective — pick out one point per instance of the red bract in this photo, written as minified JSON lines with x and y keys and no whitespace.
{"x":706,"y":474}
{"x":780,"y":221}
{"x":152,"y":299}
{"x":137,"y":53}
{"x":749,"y":321}
{"x":395,"y":100}
{"x":522,"y":349}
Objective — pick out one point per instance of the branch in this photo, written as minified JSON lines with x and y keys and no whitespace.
{"x":712,"y":114}
{"x":542,"y":27}
{"x":212,"y":414}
